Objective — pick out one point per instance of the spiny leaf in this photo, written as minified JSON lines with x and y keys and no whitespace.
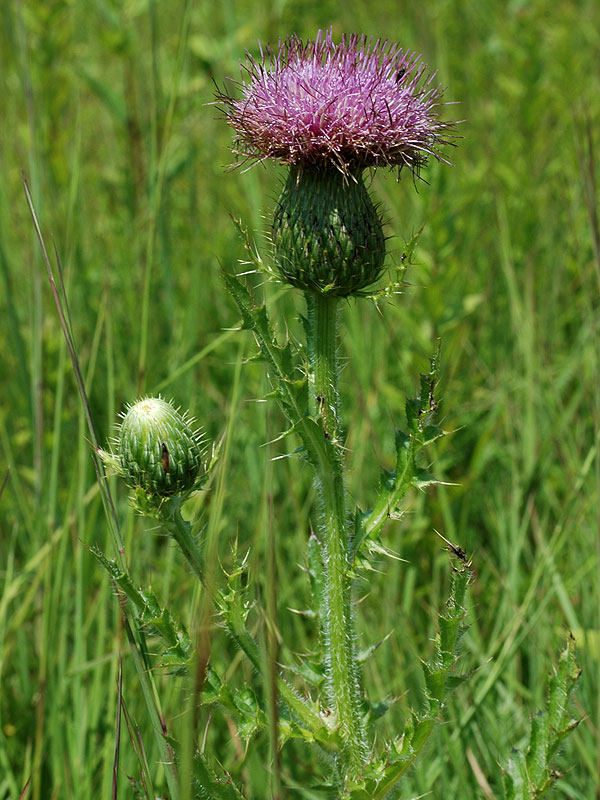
{"x":234,"y":608}
{"x":396,"y":282}
{"x":430,"y":434}
{"x":384,"y":772}
{"x":379,"y":708}
{"x":423,"y":478}
{"x":313,"y":672}
{"x":530,"y":775}
{"x":150,"y":613}
{"x":253,"y":254}
{"x":291,"y":392}
{"x":419,"y":410}
{"x":209,"y":786}
{"x":243,"y":702}
{"x":393,"y":484}
{"x":365,"y":654}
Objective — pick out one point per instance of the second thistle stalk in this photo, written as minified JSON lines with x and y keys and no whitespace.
{"x":342,"y":671}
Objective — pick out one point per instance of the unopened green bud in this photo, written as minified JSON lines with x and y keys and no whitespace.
{"x":327,"y":234}
{"x":158,"y":449}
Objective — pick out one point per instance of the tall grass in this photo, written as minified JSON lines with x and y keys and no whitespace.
{"x":104,"y":108}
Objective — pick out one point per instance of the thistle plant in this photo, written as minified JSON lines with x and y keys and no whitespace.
{"x":328,"y":112}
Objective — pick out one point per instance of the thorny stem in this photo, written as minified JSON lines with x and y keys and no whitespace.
{"x":338,"y":624}
{"x":322,"y":353}
{"x":181,"y":531}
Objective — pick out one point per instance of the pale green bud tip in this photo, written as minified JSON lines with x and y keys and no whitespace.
{"x":327,"y":234}
{"x":158,"y":448}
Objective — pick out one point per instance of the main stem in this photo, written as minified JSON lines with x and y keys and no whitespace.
{"x":338,"y":623}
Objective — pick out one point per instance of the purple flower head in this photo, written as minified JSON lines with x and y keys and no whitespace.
{"x":359,"y":103}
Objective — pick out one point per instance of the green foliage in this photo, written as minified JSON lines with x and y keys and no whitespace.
{"x":303,"y":718}
{"x":209,"y":786}
{"x":290,"y":390}
{"x":394,"y":484}
{"x":125,"y":165}
{"x":378,"y":778}
{"x":179,"y":651}
{"x":385,"y":770}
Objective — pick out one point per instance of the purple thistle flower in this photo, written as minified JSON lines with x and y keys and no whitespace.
{"x":360,"y":103}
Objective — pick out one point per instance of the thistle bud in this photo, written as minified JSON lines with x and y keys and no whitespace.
{"x":158,"y":449}
{"x":327,"y":234}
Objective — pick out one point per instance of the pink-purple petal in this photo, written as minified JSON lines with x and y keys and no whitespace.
{"x":358,"y":103}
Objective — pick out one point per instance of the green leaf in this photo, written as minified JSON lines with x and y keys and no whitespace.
{"x":234,"y":607}
{"x":209,"y":786}
{"x":158,"y":620}
{"x":290,"y":390}
{"x":385,"y":772}
{"x":515,"y":779}
{"x":365,"y":654}
{"x":538,"y":749}
{"x":313,"y":672}
{"x":430,"y":434}
{"x":251,"y":717}
{"x":530,"y":775}
{"x":393,"y":484}
{"x":423,"y":478}
{"x":394,"y":286}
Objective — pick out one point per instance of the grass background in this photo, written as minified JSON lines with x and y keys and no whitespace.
{"x":103,"y":105}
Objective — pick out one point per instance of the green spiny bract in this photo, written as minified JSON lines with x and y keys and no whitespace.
{"x":158,"y":449}
{"x":327,"y":234}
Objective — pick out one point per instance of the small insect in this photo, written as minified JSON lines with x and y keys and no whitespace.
{"x":400,"y":74}
{"x":455,"y":549}
{"x":320,"y":399}
{"x":165,"y":457}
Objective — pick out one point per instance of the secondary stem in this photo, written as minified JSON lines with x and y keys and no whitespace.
{"x":180,"y":530}
{"x":338,"y":623}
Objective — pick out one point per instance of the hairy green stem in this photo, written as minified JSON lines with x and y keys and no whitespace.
{"x":338,"y":624}
{"x":307,"y":716}
{"x":181,"y":531}
{"x":322,"y":354}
